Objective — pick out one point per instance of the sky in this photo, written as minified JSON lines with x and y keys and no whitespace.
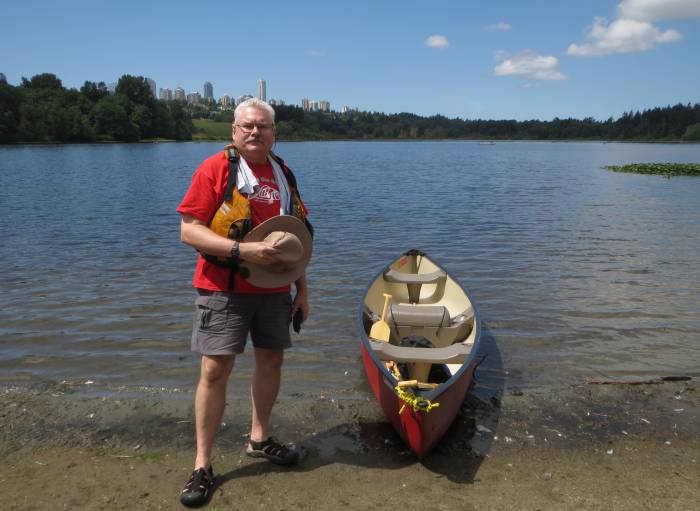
{"x":474,"y":59}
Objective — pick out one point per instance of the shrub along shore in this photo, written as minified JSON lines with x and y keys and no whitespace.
{"x":664,"y":169}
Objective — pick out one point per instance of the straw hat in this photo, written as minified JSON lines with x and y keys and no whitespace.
{"x":291,"y":236}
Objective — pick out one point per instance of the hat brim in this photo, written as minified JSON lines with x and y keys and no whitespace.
{"x":271,"y":276}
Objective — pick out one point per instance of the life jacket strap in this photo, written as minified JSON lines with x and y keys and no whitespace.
{"x":233,"y":161}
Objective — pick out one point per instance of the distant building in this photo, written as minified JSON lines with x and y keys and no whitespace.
{"x":208,"y":91}
{"x":313,"y":106}
{"x":194,"y":98}
{"x":112,"y":88}
{"x":276,"y":102}
{"x":152,"y":85}
{"x":305,"y":104}
{"x":241,"y":99}
{"x":347,"y":109}
{"x":324,"y":105}
{"x":262,"y":90}
{"x":165,"y":94}
{"x":225,"y":100}
{"x":180,"y":94}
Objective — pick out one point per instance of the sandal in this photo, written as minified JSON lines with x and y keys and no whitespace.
{"x":272,"y":450}
{"x":197,"y":490}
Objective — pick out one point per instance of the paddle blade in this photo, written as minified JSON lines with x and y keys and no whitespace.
{"x":380,"y":331}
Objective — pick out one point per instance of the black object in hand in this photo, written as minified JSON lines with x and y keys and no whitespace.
{"x":297,"y":320}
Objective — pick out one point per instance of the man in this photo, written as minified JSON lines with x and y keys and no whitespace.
{"x":229,"y":307}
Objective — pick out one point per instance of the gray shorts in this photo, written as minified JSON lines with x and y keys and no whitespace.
{"x":223,"y":321}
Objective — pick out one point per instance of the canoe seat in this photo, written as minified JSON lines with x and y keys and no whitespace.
{"x":419,"y":315}
{"x":414,"y":281}
{"x":430,"y":321}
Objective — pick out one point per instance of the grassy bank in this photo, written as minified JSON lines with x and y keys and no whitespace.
{"x":207,"y":129}
{"x":664,"y":169}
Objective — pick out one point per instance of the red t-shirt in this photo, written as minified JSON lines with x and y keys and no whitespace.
{"x":202,"y":200}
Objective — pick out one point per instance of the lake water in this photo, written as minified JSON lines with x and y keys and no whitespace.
{"x":578,"y":272}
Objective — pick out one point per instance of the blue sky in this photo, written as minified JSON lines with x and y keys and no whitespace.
{"x":527,"y":59}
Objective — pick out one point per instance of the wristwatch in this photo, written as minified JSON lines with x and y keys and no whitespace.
{"x":235,"y":251}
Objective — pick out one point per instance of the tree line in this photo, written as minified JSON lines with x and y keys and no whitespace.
{"x":40,"y":109}
{"x":672,"y":123}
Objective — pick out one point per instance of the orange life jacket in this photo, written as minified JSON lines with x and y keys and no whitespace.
{"x":233,"y":218}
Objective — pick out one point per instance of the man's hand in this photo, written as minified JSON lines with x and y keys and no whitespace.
{"x":301,"y":302}
{"x":257,"y":252}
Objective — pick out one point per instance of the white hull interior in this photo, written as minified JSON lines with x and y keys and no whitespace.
{"x":425,"y":302}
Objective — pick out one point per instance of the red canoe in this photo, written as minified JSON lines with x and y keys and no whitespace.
{"x":422,"y":374}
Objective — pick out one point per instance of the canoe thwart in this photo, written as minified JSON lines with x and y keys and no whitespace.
{"x":414,"y":278}
{"x":454,"y":354}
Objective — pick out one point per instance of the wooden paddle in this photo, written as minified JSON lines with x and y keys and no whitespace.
{"x":380,"y":330}
{"x":416,"y":383}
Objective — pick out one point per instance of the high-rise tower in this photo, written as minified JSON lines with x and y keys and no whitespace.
{"x":262,"y":93}
{"x":208,"y":91}
{"x":152,"y":84}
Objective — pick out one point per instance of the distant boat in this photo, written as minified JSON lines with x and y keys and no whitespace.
{"x":420,"y":377}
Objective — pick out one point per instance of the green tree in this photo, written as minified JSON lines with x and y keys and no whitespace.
{"x":42,"y":81}
{"x":136,"y":88}
{"x":10,"y":103}
{"x":182,"y":124}
{"x":142,"y":118}
{"x":163,"y":124}
{"x":94,"y":92}
{"x":111,"y":119}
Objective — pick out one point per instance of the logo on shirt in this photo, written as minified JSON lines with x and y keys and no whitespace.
{"x":265,"y":194}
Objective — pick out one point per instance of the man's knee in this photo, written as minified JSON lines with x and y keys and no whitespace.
{"x":215,"y":369}
{"x":269,"y":360}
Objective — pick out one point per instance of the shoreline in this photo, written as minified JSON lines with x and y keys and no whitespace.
{"x":495,"y":140}
{"x":590,"y":446}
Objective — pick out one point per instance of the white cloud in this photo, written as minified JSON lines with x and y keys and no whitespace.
{"x":437,"y":41}
{"x":497,"y":27}
{"x":317,"y":53}
{"x":621,"y":36}
{"x":656,"y":10}
{"x":530,"y":65}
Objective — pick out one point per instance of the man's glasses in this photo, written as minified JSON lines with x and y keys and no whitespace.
{"x":249,"y":127}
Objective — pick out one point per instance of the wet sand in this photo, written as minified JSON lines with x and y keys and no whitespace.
{"x":581,"y":447}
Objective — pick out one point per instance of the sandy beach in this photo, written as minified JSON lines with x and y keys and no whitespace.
{"x":577,"y":447}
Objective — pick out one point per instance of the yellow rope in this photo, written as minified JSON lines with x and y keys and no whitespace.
{"x":409,"y":398}
{"x":415,"y":402}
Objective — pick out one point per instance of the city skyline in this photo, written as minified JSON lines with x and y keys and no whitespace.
{"x":505,"y":60}
{"x":167,"y":94}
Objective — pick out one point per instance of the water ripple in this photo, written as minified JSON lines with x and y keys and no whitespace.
{"x":576,"y":271}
